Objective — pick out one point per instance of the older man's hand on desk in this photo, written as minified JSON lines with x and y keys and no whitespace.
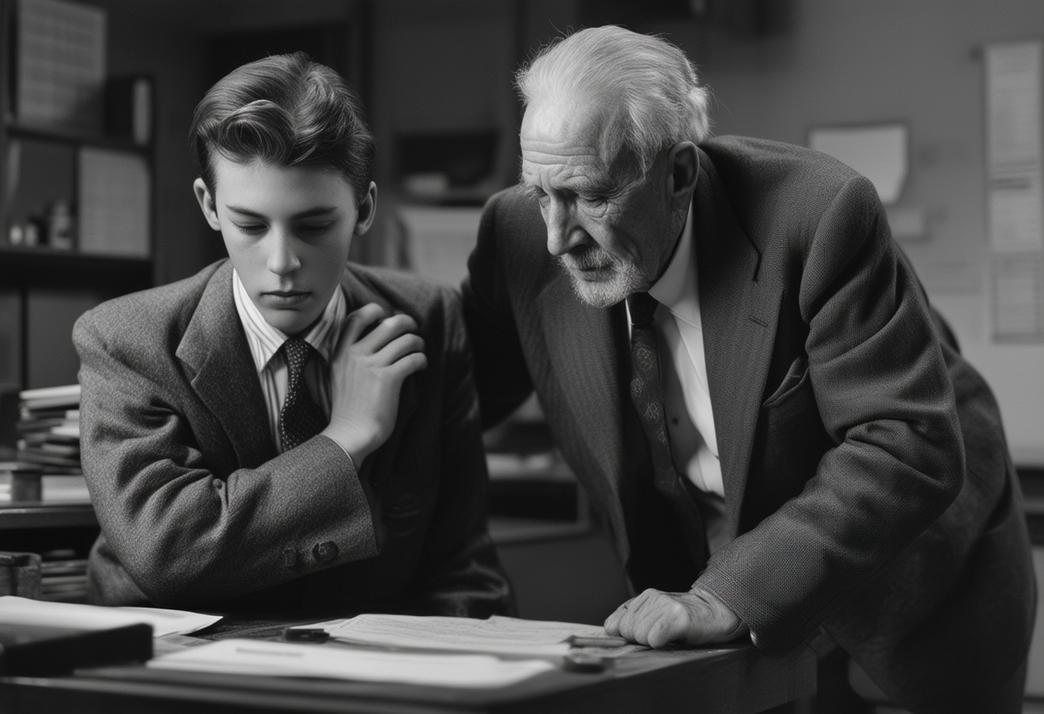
{"x":656,"y":618}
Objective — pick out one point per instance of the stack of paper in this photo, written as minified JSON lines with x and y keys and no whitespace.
{"x":502,"y":636}
{"x":280,"y":659}
{"x":164,"y":622}
{"x":49,"y":428}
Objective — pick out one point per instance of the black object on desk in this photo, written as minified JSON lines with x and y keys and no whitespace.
{"x":40,"y":650}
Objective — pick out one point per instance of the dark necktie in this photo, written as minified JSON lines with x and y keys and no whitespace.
{"x":647,"y":397}
{"x":300,"y":418}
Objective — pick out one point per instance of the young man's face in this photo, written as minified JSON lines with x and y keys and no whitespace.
{"x":287,"y":231}
{"x":612,"y":237}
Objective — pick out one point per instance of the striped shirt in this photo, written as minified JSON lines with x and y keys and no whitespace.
{"x":265,"y":341}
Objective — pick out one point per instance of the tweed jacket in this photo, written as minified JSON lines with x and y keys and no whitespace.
{"x":198,"y":509}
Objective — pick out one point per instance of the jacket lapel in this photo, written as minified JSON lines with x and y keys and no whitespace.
{"x":739,"y":309}
{"x":214,"y":348}
{"x":583,"y":345}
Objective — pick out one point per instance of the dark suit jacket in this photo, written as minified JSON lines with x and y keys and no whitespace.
{"x":197,"y":508}
{"x":867,"y":482}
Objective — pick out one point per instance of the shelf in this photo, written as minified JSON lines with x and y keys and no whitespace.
{"x":46,"y":515}
{"x":75,"y":137}
{"x":43,"y":266}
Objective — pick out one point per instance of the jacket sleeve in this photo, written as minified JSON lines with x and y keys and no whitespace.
{"x":181,"y":533}
{"x":463,"y":575}
{"x":501,"y":375}
{"x":876,"y":379}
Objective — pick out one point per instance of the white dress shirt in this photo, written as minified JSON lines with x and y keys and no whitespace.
{"x":265,"y":342}
{"x":683,"y":370}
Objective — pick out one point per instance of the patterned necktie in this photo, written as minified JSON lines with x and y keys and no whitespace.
{"x":647,"y":397}
{"x":300,"y":418}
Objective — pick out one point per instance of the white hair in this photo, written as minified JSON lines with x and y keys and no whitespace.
{"x":649,"y":87}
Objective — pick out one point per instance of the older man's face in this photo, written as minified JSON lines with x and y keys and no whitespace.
{"x":612,"y":236}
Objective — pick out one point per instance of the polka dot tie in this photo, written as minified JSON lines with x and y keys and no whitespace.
{"x":300,"y":418}
{"x":647,"y":397}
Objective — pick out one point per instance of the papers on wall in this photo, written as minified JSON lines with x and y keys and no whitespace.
{"x":505,"y":636}
{"x":438,"y":240}
{"x":281,"y":659}
{"x":876,"y":151}
{"x":1015,"y":189}
{"x":61,"y":64}
{"x":14,"y":609}
{"x":114,"y":203}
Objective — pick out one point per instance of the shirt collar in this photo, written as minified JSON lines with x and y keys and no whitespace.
{"x":676,"y":288}
{"x":266,"y":340}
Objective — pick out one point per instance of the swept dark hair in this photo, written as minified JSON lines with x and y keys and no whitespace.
{"x":287,"y":110}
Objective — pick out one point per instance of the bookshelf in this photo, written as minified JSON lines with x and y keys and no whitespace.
{"x":77,"y":185}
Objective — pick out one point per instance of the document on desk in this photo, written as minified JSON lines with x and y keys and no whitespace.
{"x":282,"y":659}
{"x":504,"y":636}
{"x":16,"y":609}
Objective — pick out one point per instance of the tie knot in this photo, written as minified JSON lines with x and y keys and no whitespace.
{"x":641,"y":306}
{"x":297,"y":352}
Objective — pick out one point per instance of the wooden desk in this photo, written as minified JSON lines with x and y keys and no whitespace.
{"x":733,"y":680}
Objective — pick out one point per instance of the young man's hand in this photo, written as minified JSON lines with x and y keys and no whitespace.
{"x":376,"y":352}
{"x":656,"y":618}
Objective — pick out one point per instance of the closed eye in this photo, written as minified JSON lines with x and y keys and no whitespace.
{"x":251,"y":228}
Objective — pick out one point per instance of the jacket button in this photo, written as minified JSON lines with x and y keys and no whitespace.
{"x":290,"y":559}
{"x":325,"y":551}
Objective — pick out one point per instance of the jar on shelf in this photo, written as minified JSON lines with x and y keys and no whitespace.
{"x":60,"y":226}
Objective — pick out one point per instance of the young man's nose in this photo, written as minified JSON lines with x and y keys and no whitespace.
{"x":282,"y":253}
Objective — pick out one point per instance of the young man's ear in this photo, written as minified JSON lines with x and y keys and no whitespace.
{"x":684,"y":162}
{"x":367,"y":210}
{"x":206,"y":203}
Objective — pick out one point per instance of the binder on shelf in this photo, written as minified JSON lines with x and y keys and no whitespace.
{"x":128,"y":108}
{"x":114,"y":203}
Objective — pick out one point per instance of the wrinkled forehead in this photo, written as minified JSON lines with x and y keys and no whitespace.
{"x":570,"y":136}
{"x":564,"y":132}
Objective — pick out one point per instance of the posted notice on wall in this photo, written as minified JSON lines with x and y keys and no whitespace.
{"x":1015,"y":190}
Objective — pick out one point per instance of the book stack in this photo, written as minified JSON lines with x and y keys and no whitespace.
{"x":48,"y":429}
{"x":63,"y":576}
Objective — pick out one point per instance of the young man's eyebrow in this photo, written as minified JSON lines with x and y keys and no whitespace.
{"x":308,"y":213}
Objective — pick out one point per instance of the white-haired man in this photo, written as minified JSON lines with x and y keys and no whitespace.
{"x":745,"y":374}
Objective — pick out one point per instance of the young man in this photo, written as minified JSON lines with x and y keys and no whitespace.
{"x":284,"y":431}
{"x":743,"y":370}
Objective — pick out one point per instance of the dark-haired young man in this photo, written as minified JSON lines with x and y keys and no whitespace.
{"x":284,"y":431}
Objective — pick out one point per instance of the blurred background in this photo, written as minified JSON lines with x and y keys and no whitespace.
{"x":938,"y":101}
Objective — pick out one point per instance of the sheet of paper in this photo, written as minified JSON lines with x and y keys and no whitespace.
{"x":1015,"y":185}
{"x":64,"y":614}
{"x":439,"y":240}
{"x":282,"y":659}
{"x":876,"y":151}
{"x":508,"y":636}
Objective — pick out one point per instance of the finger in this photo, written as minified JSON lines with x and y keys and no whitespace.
{"x":612,"y":623}
{"x":413,"y":362}
{"x":359,"y":321}
{"x":386,"y":330}
{"x":641,"y":601}
{"x":400,"y":347}
{"x":668,"y":625}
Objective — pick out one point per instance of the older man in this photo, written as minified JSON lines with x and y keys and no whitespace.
{"x":744,"y":372}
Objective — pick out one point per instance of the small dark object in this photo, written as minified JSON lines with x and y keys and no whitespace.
{"x":305,"y":634}
{"x":579,"y":662}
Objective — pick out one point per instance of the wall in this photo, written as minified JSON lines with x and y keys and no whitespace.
{"x":843,"y":61}
{"x":174,"y":55}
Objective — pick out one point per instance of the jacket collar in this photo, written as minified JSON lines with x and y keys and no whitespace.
{"x":214,"y":349}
